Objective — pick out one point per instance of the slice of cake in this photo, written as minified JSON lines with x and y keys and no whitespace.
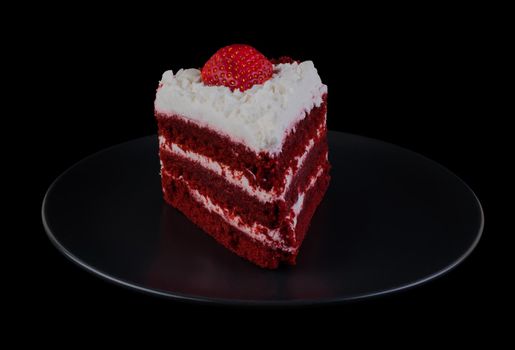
{"x":243,"y":150}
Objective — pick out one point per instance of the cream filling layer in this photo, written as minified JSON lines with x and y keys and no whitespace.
{"x":237,"y":177}
{"x":263,"y":234}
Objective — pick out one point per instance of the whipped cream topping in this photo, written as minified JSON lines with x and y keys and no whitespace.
{"x":259,"y":117}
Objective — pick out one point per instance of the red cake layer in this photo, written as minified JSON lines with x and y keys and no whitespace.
{"x":226,"y":195}
{"x":177,"y":193}
{"x":263,"y":170}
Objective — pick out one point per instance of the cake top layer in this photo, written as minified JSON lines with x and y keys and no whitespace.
{"x":259,"y":117}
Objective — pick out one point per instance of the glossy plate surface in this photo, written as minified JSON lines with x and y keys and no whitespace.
{"x":391,"y":219}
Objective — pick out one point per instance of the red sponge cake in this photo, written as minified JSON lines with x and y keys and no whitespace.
{"x":243,"y":150}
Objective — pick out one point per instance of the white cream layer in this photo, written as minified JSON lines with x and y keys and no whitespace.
{"x":270,"y":238}
{"x":259,"y":118}
{"x":237,"y":177}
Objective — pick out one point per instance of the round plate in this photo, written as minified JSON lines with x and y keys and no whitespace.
{"x":391,"y":219}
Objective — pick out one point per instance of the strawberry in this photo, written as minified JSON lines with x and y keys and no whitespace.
{"x":283,"y":59}
{"x":237,"y":67}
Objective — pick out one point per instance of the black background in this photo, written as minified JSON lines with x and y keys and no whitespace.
{"x":416,"y":83}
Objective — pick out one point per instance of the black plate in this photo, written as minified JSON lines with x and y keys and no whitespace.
{"x":391,"y":219}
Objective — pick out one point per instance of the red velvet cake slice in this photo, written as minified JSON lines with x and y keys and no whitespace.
{"x":243,"y":149}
